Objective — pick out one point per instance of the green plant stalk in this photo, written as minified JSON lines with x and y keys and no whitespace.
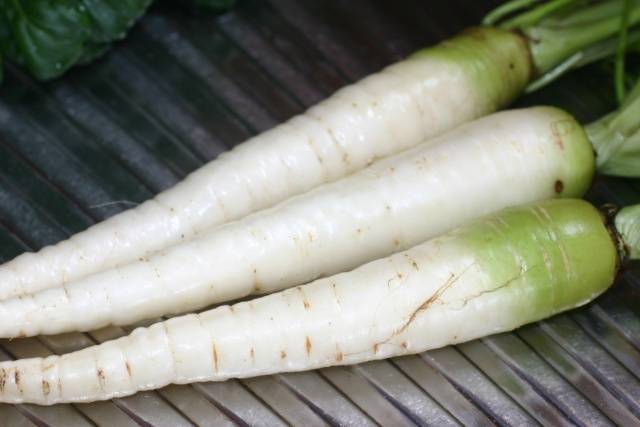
{"x":534,"y":16}
{"x":550,"y":46}
{"x":616,"y":138}
{"x":505,"y":9}
{"x":620,"y":52}
{"x":567,"y":34}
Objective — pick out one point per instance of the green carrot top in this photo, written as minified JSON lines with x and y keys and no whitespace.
{"x":566,"y":34}
{"x":616,"y":138}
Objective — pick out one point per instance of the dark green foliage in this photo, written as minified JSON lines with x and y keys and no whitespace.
{"x":47,"y":37}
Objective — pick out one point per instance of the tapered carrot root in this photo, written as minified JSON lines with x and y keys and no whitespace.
{"x":397,"y":108}
{"x":507,"y":159}
{"x":493,"y":275}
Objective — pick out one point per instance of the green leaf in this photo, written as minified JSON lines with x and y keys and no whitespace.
{"x":216,"y":5}
{"x":48,"y":36}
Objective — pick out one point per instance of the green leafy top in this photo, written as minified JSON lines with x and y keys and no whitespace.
{"x":565,"y":34}
{"x":616,"y":138}
{"x":49,"y":36}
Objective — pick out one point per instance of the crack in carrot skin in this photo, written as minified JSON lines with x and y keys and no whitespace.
{"x":451,"y":280}
{"x":507,"y":283}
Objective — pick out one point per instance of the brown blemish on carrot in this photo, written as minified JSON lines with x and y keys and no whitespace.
{"x":256,"y":282}
{"x":400,"y":275}
{"x":307,"y":345}
{"x":126,"y":365}
{"x":66,"y":291}
{"x":404,"y":345}
{"x":21,"y":334}
{"x":215,"y":357}
{"x":305,"y":301}
{"x":335,"y":293}
{"x":101,"y":378}
{"x":558,"y":186}
{"x":45,"y":387}
{"x":396,"y":242}
{"x":339,"y":356}
{"x":283,"y":354}
{"x":414,"y":264}
{"x":253,"y":354}
{"x":16,"y":378}
{"x":560,"y":129}
{"x":376,"y":347}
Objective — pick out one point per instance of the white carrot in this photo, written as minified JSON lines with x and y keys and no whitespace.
{"x":383,"y":114}
{"x":512,"y":268}
{"x":502,"y":160}
{"x":432,"y":91}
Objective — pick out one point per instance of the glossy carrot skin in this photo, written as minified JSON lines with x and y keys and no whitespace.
{"x":507,"y":159}
{"x":403,"y":105}
{"x":493,"y":275}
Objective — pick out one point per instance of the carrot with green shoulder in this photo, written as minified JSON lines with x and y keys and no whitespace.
{"x":493,"y":275}
{"x":406,"y":104}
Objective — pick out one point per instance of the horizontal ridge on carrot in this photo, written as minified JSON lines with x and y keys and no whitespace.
{"x":430,"y":92}
{"x":489,"y":276}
